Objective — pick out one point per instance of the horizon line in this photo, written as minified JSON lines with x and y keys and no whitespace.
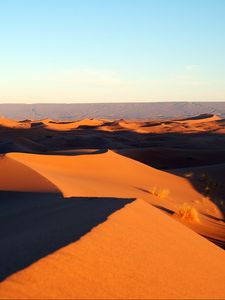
{"x":126,"y":102}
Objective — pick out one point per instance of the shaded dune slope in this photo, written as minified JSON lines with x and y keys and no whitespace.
{"x":34,"y":225}
{"x":171,"y":157}
{"x":17,"y":176}
{"x":208,"y":180}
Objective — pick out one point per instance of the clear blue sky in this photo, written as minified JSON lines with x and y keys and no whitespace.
{"x":112,"y":50}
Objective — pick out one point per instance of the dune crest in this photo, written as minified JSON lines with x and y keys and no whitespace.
{"x":4,"y":122}
{"x":77,"y":176}
{"x":130,"y":256}
{"x":201,"y":119}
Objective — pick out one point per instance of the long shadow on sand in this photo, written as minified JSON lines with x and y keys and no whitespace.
{"x":34,"y":225}
{"x":156,"y":149}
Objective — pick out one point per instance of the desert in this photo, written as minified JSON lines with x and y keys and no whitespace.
{"x":112,"y":209}
{"x":112,"y":149}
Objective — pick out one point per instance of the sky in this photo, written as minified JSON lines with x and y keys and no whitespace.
{"x":112,"y":50}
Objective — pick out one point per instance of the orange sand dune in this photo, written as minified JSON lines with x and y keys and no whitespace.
{"x":77,"y":176}
{"x":84,"y":175}
{"x":83,"y":222}
{"x":14,"y":124}
{"x":196,"y":124}
{"x":63,"y":126}
{"x":138,"y":253}
{"x":16,"y":176}
{"x":95,"y":175}
{"x":201,"y":119}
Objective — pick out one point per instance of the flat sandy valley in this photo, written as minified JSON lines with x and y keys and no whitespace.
{"x":112,"y":209}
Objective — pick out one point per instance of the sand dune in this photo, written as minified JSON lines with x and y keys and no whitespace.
{"x":115,"y":134}
{"x":16,"y":176}
{"x":77,"y":176}
{"x":113,"y":125}
{"x":80,"y":221}
{"x":4,"y":122}
{"x":201,"y":118}
{"x":129,"y":256}
{"x":64,"y":126}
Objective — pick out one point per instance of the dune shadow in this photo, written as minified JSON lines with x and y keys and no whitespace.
{"x":190,"y":148}
{"x":168,"y":211}
{"x":206,"y":181}
{"x":219,"y":243}
{"x":34,"y":225}
{"x":76,"y":152}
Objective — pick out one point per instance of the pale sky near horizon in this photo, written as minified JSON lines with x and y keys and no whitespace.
{"x":112,"y":50}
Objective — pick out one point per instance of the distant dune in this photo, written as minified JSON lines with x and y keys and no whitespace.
{"x":201,"y":118}
{"x":112,"y":209}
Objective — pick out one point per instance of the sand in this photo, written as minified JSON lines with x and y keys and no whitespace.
{"x":93,"y":223}
{"x":131,"y":255}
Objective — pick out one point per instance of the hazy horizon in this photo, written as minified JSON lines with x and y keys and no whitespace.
{"x":122,"y":110}
{"x":113,"y":102}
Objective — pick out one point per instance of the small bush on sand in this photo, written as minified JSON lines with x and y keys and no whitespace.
{"x":153,"y":190}
{"x":188,"y":213}
{"x":161,"y":193}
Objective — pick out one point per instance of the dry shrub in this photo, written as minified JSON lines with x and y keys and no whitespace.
{"x":161,"y":193}
{"x":153,"y":190}
{"x":188,"y":213}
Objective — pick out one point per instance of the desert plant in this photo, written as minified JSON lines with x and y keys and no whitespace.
{"x":161,"y":193}
{"x":153,"y":190}
{"x":188,"y":213}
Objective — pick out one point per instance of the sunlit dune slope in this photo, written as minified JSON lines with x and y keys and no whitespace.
{"x":101,"y":175}
{"x":4,"y":122}
{"x":107,"y":175}
{"x":138,"y":253}
{"x":98,"y":175}
{"x":201,"y":119}
{"x":200,"y":123}
{"x":64,"y":126}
